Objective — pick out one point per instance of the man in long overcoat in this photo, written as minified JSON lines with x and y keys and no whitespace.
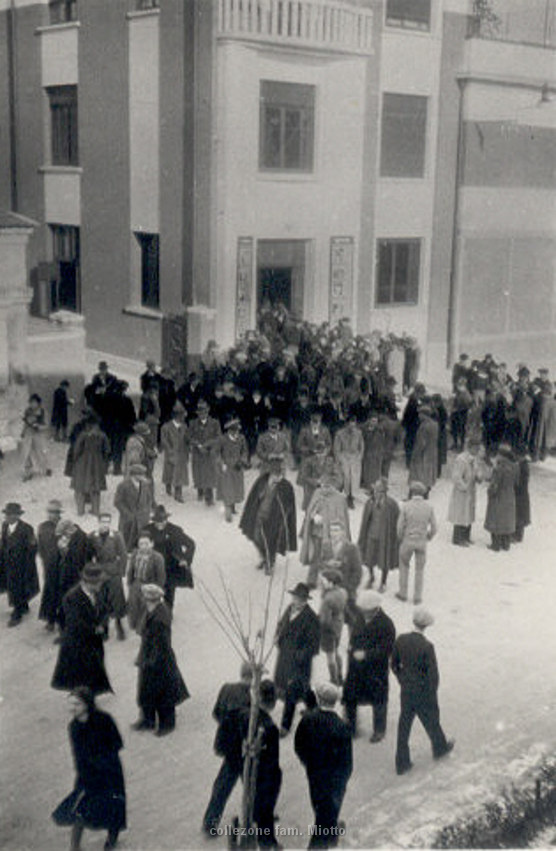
{"x":176,"y":548}
{"x":370,"y":647}
{"x":269,"y":516}
{"x":328,"y":505}
{"x":134,"y":500}
{"x":91,"y":454}
{"x":18,"y":568}
{"x":109,"y":552}
{"x":374,"y":443}
{"x":298,"y":640}
{"x":463,"y":499}
{"x":204,"y":433}
{"x":74,"y":553}
{"x":232,"y":459}
{"x":500,"y":513}
{"x":424,"y":458}
{"x":378,"y":536}
{"x":174,"y":443}
{"x":81,"y":657}
{"x":47,"y":544}
{"x":323,"y":744}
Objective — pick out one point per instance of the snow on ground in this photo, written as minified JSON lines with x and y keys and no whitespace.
{"x":495,"y":638}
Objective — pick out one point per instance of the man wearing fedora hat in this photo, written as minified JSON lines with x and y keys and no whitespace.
{"x":298,"y":640}
{"x":81,"y":656}
{"x":177,"y":550}
{"x":174,"y":442}
{"x":204,"y":434}
{"x":18,"y":569}
{"x":415,"y":667}
{"x":232,"y":458}
{"x":47,"y":544}
{"x":272,"y":443}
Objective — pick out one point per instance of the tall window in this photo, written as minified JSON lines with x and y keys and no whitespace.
{"x":398,"y":271}
{"x":287,"y":118}
{"x":66,"y":291}
{"x":63,"y":123}
{"x":411,"y":14}
{"x":404,"y":132}
{"x":150,"y":265}
{"x":62,"y":11}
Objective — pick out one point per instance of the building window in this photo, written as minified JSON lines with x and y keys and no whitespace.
{"x":404,"y":129}
{"x":150,"y":265}
{"x":66,"y":290}
{"x":62,"y":11}
{"x":410,"y":14}
{"x":63,"y":123}
{"x":398,"y":271}
{"x":287,"y":118}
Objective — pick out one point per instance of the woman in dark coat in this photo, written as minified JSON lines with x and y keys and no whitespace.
{"x":91,"y":454}
{"x":161,"y":687}
{"x":500,"y":513}
{"x":98,"y":800}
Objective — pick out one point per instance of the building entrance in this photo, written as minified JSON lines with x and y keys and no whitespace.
{"x":281,"y":273}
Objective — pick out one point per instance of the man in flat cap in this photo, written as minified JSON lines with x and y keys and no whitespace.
{"x":414,"y":664}
{"x":18,"y":569}
{"x":323,"y":744}
{"x":298,"y":640}
{"x":81,"y":656}
{"x":47,"y":544}
{"x":416,"y":526}
{"x":134,"y":501}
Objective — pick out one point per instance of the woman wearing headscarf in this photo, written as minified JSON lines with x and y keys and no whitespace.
{"x":98,"y":800}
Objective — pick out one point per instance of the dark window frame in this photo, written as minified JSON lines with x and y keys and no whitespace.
{"x":64,"y":127}
{"x":149,"y":243}
{"x":392,"y":255}
{"x":63,"y":11}
{"x":283,"y":104}
{"x":66,"y":250}
{"x":408,"y":127}
{"x":404,"y":14}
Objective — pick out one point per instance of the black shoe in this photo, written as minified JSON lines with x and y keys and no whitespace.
{"x":399,"y":597}
{"x":164,"y":731}
{"x":210,"y":831}
{"x":111,"y":841}
{"x":141,"y":725}
{"x":376,"y":737}
{"x":448,"y":749}
{"x":403,"y":769}
{"x":14,"y":620}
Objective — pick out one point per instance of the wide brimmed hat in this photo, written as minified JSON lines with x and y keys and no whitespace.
{"x":301,"y":590}
{"x":203,"y":405}
{"x":422,"y":617}
{"x":368,"y":600}
{"x":141,"y":428}
{"x":151,"y":592}
{"x":137,"y":470}
{"x":13,"y":508}
{"x":234,"y":422}
{"x":54,"y":505}
{"x":160,"y":514}
{"x":91,"y":572}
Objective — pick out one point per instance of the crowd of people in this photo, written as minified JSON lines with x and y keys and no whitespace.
{"x":292,"y":401}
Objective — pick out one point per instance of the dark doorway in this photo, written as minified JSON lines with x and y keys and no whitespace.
{"x":275,"y":286}
{"x":66,"y":294}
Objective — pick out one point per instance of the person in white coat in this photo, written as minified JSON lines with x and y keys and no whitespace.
{"x":461,"y":510}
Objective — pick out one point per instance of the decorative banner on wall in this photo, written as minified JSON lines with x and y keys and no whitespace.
{"x":341,"y":277}
{"x":244,"y":284}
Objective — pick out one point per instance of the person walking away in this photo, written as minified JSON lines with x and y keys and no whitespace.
{"x":119,"y":423}
{"x":34,"y":454}
{"x":47,"y":547}
{"x":323,"y":745}
{"x":160,"y":686}
{"x":18,"y":568}
{"x":374,"y":440}
{"x":415,"y":667}
{"x":174,"y":443}
{"x":424,"y":458}
{"x":134,"y":500}
{"x":410,"y":419}
{"x":332,"y":616}
{"x":232,"y":459}
{"x":232,"y":698}
{"x":298,"y":640}
{"x":81,"y":656}
{"x":416,"y":526}
{"x":522,"y":500}
{"x":463,"y":499}
{"x":378,"y":534}
{"x":176,"y":548}
{"x":500,"y":519}
{"x":98,"y":800}
{"x":204,"y":433}
{"x":348,"y":449}
{"x":61,"y":403}
{"x":109,"y":552}
{"x":91,"y":454}
{"x":461,"y":403}
{"x":146,"y":567}
{"x":372,"y":636}
{"x":269,"y":774}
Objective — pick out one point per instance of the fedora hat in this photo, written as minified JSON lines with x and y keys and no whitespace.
{"x":54,"y":506}
{"x":232,"y":423}
{"x":137,"y":470}
{"x":159,"y":514}
{"x":301,"y":590}
{"x":91,"y":572}
{"x":13,"y":508}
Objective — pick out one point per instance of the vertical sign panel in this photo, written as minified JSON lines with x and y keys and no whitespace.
{"x":244,"y":284}
{"x":341,"y":277}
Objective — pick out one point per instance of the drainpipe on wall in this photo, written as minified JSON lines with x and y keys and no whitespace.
{"x":12,"y":104}
{"x":455,"y":272}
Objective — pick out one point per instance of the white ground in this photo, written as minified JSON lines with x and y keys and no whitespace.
{"x":495,"y":637}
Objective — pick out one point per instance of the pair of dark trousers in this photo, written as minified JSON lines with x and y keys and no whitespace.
{"x":222,"y":788}
{"x":296,"y":690}
{"x":380,"y":711}
{"x":425,"y":707}
{"x":327,"y":795}
{"x":166,"y":716}
{"x":500,"y":542}
{"x":461,"y":534}
{"x":266,"y":795}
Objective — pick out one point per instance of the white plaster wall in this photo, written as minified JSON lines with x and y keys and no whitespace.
{"x":508,"y":60}
{"x":311,"y":206}
{"x":144,"y":122}
{"x":499,"y":210}
{"x":62,"y":196}
{"x":59,"y":52}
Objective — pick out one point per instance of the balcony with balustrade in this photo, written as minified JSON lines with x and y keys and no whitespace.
{"x":322,"y":25}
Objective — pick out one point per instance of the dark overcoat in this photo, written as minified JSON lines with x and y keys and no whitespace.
{"x":110,"y":553}
{"x":18,"y":568}
{"x":367,"y":680}
{"x":424,"y":458}
{"x":374,"y":443}
{"x":71,"y":562}
{"x":50,"y":556}
{"x":232,"y":459}
{"x":387,"y":554}
{"x":81,"y":657}
{"x":134,"y":502}
{"x":522,"y":501}
{"x":175,"y":547}
{"x":323,"y":744}
{"x":160,"y":681}
{"x":500,"y":513}
{"x":98,"y":799}
{"x":279,"y":528}
{"x":174,"y":442}
{"x":298,"y":640}
{"x":203,"y":438}
{"x":90,"y":460}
